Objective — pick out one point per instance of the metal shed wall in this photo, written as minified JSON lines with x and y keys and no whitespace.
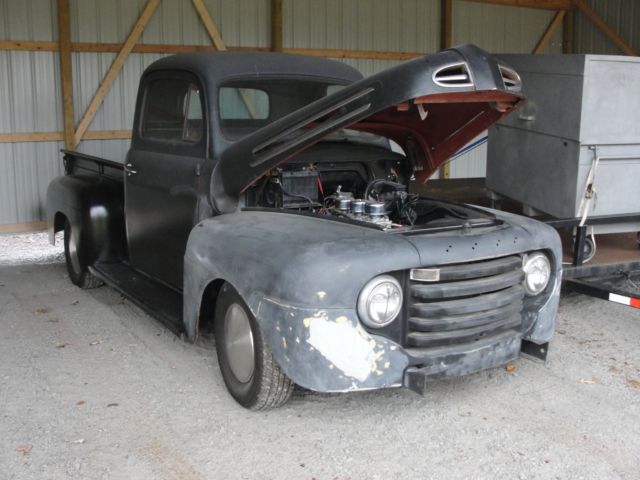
{"x":623,"y":16}
{"x":29,"y":81}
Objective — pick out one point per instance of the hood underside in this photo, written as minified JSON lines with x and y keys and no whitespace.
{"x":431,"y":106}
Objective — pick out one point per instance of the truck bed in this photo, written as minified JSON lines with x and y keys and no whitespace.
{"x":78,"y":163}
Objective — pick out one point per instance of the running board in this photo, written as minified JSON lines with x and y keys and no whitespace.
{"x":159,"y":301}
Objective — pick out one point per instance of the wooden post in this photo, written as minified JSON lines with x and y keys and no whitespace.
{"x":276,"y":26}
{"x":446,"y":34}
{"x":217,"y":41}
{"x":567,"y":32}
{"x":555,"y":22}
{"x":446,"y":23}
{"x":66,"y":72}
{"x":209,"y":25}
{"x":114,"y":69}
{"x":608,"y":31}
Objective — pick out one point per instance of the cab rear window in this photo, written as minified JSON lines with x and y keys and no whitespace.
{"x":248,"y":105}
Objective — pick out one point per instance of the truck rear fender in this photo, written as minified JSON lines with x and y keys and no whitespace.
{"x":94,"y":208}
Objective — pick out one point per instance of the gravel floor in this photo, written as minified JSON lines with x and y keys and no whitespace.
{"x":30,"y":248}
{"x":92,"y":388}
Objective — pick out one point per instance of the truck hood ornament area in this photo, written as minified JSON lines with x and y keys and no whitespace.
{"x":431,"y":107}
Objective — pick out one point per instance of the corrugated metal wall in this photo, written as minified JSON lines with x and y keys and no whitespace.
{"x":623,"y":16}
{"x":28,"y":102}
{"x":29,"y":81}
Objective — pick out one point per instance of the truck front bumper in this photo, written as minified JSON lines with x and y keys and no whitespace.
{"x":457,"y":361}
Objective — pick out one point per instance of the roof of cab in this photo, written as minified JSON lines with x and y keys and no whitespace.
{"x":218,"y":67}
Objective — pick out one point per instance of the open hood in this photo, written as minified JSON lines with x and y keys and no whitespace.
{"x":431,"y":106}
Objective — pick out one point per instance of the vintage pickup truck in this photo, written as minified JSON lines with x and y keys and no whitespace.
{"x":267,"y":197}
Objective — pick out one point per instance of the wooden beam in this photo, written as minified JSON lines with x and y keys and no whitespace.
{"x":363,"y":54}
{"x":544,"y":4}
{"x":568,"y":24}
{"x":446,"y":35}
{"x":276,"y":26}
{"x":107,"y":135}
{"x":209,"y":26}
{"x":114,"y":69}
{"x":608,"y":31}
{"x":23,"y":227}
{"x":546,"y":37}
{"x":9,"y":45}
{"x":92,"y":47}
{"x":66,"y":72}
{"x":31,"y":137}
{"x":20,"y":137}
{"x":28,"y":46}
{"x":155,"y":48}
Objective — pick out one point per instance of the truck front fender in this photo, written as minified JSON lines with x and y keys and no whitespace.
{"x":298,"y":260}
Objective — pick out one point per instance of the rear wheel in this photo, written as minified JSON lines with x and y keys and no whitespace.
{"x":248,"y":368}
{"x":78,"y":271}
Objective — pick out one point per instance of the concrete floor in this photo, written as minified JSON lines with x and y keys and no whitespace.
{"x":92,"y":388}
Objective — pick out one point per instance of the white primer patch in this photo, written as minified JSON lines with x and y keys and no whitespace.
{"x":349,"y":348}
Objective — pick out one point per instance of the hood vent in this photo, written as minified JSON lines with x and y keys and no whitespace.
{"x":511,"y":79}
{"x":456,"y":75}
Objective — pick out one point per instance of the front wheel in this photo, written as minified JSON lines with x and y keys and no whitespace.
{"x":249,"y":370}
{"x":78,"y":272}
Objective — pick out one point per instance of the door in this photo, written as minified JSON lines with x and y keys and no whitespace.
{"x":162,"y":174}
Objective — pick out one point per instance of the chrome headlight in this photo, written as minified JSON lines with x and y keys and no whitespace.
{"x":537,"y":272}
{"x":380,"y":301}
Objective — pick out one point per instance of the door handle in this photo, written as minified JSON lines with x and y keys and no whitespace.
{"x":127,"y":168}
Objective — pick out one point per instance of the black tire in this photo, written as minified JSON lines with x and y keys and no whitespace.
{"x":268,"y":387}
{"x":78,"y":272}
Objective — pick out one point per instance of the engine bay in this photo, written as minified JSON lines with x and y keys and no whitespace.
{"x":344,"y":192}
{"x":384,"y":203}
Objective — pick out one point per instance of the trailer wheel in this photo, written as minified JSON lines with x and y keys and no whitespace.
{"x":589,"y":249}
{"x":78,"y":272}
{"x":248,"y":368}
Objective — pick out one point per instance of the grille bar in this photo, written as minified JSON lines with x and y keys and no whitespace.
{"x":461,"y":306}
{"x":435,"y":339}
{"x":475,"y":286}
{"x":470,"y":320}
{"x":479,"y":269}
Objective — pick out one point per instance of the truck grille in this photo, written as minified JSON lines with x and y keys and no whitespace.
{"x":464,"y":303}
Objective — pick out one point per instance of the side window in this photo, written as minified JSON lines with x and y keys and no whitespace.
{"x":243,"y":104}
{"x":172,"y":111}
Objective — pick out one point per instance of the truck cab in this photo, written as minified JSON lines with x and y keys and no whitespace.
{"x":269,"y":197}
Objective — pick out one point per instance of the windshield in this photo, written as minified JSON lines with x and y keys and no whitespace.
{"x":248,"y":105}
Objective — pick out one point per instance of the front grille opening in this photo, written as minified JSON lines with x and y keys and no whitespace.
{"x":453,"y":76}
{"x":473,"y":302}
{"x":511,"y":79}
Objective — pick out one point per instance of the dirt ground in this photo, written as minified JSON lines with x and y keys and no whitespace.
{"x":93,"y":388}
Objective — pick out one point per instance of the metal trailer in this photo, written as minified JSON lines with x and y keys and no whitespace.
{"x":572,"y":155}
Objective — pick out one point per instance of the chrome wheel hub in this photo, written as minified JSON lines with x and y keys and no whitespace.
{"x":239,"y":343}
